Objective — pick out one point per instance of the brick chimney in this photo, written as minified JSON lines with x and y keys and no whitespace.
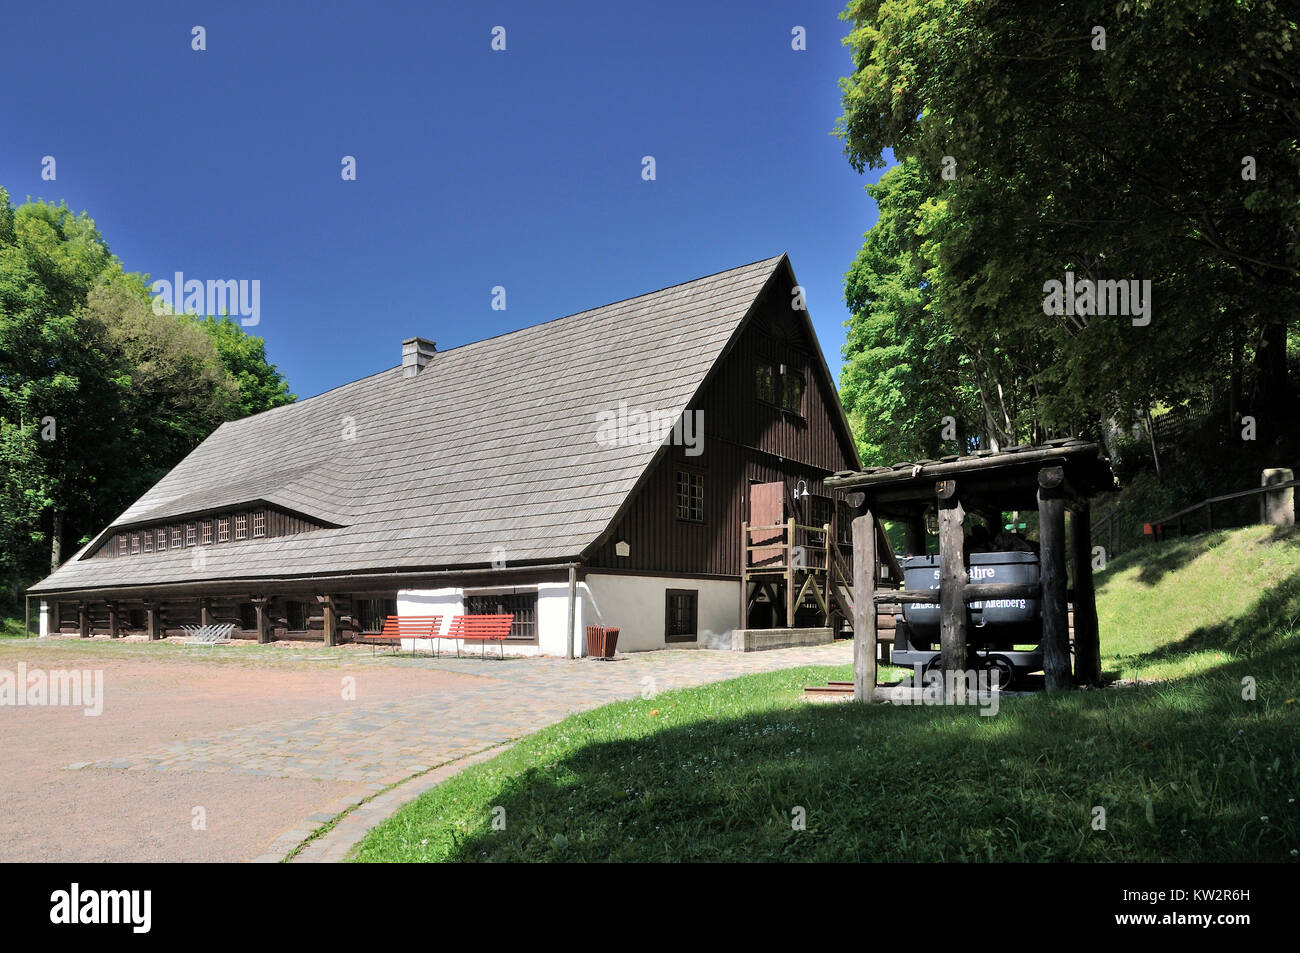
{"x":416,"y":353}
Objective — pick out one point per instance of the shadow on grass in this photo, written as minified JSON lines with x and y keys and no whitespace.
{"x":1274,"y":615}
{"x":1173,"y":555}
{"x":1186,"y":774}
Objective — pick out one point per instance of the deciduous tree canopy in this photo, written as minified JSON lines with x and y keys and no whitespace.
{"x":99,"y":396}
{"x":1143,"y":141}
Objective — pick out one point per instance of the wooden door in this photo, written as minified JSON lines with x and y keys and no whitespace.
{"x":766,"y":508}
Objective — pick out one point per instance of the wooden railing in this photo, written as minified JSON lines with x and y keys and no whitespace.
{"x":1180,"y":516}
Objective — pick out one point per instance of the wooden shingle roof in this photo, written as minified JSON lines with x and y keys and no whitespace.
{"x":490,"y":451}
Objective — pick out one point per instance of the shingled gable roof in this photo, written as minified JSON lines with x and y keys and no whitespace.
{"x":491,"y":445}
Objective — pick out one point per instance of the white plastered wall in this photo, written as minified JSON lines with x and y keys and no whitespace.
{"x":636,"y":604}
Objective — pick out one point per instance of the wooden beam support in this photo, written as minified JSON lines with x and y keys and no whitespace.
{"x":971,"y":592}
{"x":331,"y":623}
{"x":789,"y":573}
{"x":83,"y":620}
{"x":151,"y":609}
{"x":864,"y":607}
{"x":952,"y":577}
{"x":570,"y":636}
{"x":259,"y":608}
{"x":113,"y":632}
{"x":205,"y":611}
{"x":1087,"y":637}
{"x":744,"y":576}
{"x":1051,"y":538}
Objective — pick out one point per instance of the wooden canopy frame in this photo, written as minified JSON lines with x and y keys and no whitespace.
{"x":1054,"y":477}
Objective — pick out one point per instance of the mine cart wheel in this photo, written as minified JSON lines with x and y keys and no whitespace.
{"x":1006,"y":671}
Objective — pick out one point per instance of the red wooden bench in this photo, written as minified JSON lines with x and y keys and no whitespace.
{"x":480,"y":628}
{"x":398,"y":627}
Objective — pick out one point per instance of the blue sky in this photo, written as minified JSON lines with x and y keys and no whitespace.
{"x":475,"y":168}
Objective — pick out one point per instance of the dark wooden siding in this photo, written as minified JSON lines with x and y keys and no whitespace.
{"x":174,"y":614}
{"x":278,"y":523}
{"x":745,"y":440}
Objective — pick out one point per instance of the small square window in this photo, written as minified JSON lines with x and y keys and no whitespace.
{"x":792,"y":392}
{"x":176,"y":537}
{"x":135,"y":543}
{"x":690,"y":496}
{"x":223,"y":530}
{"x":160,"y":543}
{"x":148,"y":540}
{"x":207,"y":532}
{"x":241,"y":526}
{"x":191,"y":534}
{"x":121,"y":544}
{"x":259,"y":524}
{"x":765,"y":382}
{"x":522,"y":605}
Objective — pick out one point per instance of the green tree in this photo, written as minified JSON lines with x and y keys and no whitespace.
{"x":259,"y":383}
{"x":99,"y":395}
{"x":913,"y":387}
{"x":1124,"y":156}
{"x":54,"y":378}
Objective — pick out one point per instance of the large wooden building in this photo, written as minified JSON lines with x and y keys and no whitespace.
{"x":528,"y":473}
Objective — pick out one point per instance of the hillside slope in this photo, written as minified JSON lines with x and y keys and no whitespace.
{"x":1192,"y":605}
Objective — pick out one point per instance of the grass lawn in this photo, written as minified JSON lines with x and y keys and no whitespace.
{"x":1184,"y":767}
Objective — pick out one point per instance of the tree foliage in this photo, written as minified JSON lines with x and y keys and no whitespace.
{"x":99,"y":395}
{"x":1127,"y":156}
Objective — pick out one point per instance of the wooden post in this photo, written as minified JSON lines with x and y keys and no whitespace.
{"x":864,"y":606}
{"x":56,"y":622}
{"x":151,"y":620}
{"x":952,"y":577}
{"x":789,"y":574}
{"x":571,"y":634}
{"x":827,"y":601}
{"x":330,"y":627}
{"x":1051,"y":538}
{"x":744,"y":581}
{"x":112,"y":620}
{"x":83,"y":620}
{"x":259,"y":608}
{"x":1087,"y":639}
{"x":205,"y":611}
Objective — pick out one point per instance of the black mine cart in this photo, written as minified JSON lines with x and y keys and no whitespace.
{"x":1005,"y":605}
{"x":1002,"y":635}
